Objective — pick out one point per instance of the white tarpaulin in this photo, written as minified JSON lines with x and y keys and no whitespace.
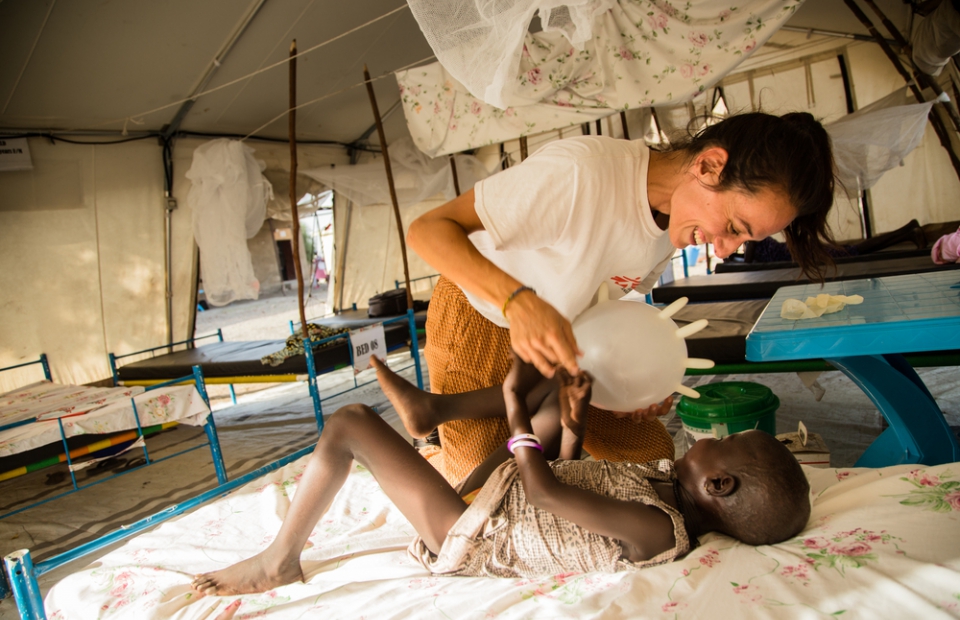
{"x":416,"y":177}
{"x":876,"y":138}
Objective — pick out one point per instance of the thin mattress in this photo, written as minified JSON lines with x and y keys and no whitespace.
{"x":764,"y":284}
{"x":879,"y":543}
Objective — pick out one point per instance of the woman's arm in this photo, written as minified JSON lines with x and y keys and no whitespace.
{"x":538,"y":333}
{"x":644,"y":531}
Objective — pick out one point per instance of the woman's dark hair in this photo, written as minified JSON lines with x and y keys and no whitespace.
{"x":791,"y":153}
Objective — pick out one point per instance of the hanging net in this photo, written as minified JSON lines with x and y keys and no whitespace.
{"x":228,"y":197}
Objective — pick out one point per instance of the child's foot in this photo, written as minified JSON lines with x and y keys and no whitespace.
{"x":411,"y":403}
{"x":575,"y":393}
{"x":522,"y":377}
{"x":256,"y":574}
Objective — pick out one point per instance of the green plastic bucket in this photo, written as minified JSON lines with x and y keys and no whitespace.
{"x":727,"y":408}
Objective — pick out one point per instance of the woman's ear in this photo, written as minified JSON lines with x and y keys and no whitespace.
{"x":709,"y":164}
{"x":720,"y":485}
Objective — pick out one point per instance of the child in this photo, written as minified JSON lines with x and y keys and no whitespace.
{"x":532,"y":517}
{"x":947,"y":249}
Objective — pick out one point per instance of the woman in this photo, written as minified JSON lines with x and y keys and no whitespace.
{"x":524,"y":252}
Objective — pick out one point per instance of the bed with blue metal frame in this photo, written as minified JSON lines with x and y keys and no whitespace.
{"x":231,"y":362}
{"x":110,"y":413}
{"x":879,"y":543}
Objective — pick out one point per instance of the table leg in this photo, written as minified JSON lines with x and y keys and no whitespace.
{"x":918,"y":432}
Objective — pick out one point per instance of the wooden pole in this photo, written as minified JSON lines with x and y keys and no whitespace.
{"x":623,"y":123}
{"x":393,"y":191}
{"x":292,"y":130}
{"x":456,"y":180}
{"x":523,"y":148}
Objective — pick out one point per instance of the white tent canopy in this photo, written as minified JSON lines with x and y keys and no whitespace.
{"x":84,"y":231}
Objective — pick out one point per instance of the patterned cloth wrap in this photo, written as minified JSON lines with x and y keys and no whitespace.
{"x":294,"y":344}
{"x":502,"y":535}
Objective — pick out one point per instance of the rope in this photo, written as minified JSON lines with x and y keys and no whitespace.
{"x":333,"y":94}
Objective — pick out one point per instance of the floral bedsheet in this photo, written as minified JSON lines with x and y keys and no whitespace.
{"x":642,"y":53}
{"x":86,"y":410}
{"x":881,"y":543}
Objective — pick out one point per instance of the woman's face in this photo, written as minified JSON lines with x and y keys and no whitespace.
{"x":727,"y":218}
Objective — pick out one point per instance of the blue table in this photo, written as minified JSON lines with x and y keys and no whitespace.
{"x":899,"y":314}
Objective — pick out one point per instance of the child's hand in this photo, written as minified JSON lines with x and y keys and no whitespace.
{"x":574,"y":399}
{"x":650,"y":413}
{"x":522,"y":377}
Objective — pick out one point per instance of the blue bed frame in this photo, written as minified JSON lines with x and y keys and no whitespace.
{"x":311,"y":366}
{"x":23,"y":572}
{"x":209,"y":428}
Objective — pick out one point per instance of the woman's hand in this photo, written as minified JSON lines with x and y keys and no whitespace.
{"x":650,"y":413}
{"x":541,"y":336}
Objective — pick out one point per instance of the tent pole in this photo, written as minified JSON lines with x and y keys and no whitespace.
{"x":456,"y":180}
{"x":342,"y":257}
{"x":292,"y":127}
{"x":523,"y":148}
{"x":623,"y":123}
{"x":863,"y":203}
{"x":393,"y":190}
{"x":935,"y":120}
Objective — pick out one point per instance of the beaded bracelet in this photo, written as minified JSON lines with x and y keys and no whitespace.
{"x":512,"y":295}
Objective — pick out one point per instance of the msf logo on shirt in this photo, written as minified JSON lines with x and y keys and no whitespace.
{"x":626,"y":284}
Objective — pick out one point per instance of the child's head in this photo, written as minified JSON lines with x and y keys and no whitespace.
{"x":748,"y":486}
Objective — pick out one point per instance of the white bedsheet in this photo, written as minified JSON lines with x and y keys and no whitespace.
{"x":880,"y":544}
{"x":88,"y":410}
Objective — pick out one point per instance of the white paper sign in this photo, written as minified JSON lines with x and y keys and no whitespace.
{"x":367,"y":341}
{"x":15,"y":154}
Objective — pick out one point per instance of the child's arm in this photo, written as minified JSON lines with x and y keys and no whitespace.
{"x":644,"y":531}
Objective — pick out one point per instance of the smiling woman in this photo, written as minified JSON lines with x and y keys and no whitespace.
{"x":524,"y":252}
{"x":758,"y":175}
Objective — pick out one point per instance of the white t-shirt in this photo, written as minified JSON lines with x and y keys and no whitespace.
{"x":573,"y":215}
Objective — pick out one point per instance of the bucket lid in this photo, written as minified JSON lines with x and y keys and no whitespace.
{"x":729,"y":401}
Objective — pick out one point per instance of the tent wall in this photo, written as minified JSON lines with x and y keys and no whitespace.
{"x":82,"y":267}
{"x":368,"y":252}
{"x":83,"y":238}
{"x":925,"y":187}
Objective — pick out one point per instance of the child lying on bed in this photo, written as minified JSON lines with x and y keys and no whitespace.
{"x":534,"y":515}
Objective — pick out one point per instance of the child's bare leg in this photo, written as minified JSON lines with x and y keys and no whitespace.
{"x":421,"y":412}
{"x":352,"y":433}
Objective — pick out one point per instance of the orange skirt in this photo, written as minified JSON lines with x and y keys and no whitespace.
{"x":465,"y":352}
